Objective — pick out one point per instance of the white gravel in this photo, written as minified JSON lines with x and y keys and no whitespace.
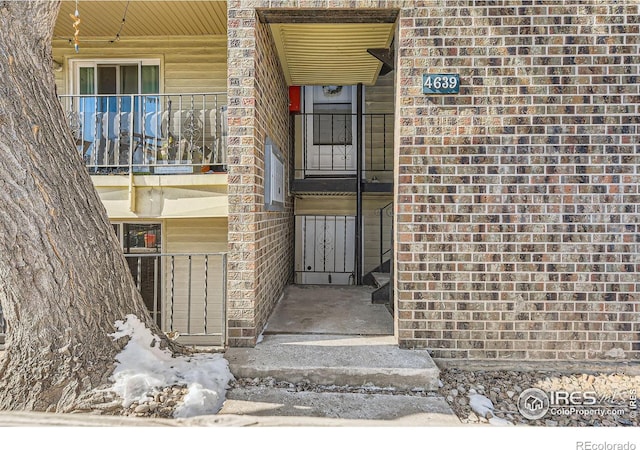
{"x":502,"y":388}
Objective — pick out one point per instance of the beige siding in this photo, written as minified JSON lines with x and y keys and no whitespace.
{"x":188,"y":64}
{"x":195,"y":236}
{"x":378,"y":129}
{"x":326,"y":205}
{"x":379,"y":98}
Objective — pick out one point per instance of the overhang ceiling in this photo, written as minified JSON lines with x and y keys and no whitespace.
{"x":316,"y":47}
{"x":330,"y":53}
{"x":329,"y":46}
{"x":102,"y":20}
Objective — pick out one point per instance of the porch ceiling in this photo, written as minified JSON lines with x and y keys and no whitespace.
{"x":102,"y":19}
{"x":330,"y":53}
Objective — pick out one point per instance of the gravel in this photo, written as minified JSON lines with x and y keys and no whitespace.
{"x":614,"y":391}
{"x":502,"y":388}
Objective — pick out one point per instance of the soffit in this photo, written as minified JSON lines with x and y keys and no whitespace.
{"x":103,"y":19}
{"x":330,"y":53}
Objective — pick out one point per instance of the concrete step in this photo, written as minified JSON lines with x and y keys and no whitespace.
{"x":338,"y":360}
{"x":351,"y":408}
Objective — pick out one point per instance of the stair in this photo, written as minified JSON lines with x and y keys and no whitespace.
{"x":382,"y":294}
{"x":381,"y":278}
{"x":354,"y":378}
{"x":338,"y":360}
{"x":308,"y":408}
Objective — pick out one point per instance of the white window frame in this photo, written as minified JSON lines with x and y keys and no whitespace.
{"x":76,"y":64}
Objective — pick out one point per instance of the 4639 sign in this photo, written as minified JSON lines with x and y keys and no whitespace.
{"x":439,"y":83}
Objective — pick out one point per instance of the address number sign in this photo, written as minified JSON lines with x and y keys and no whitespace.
{"x":440,"y":83}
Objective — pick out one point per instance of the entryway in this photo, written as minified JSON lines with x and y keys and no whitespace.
{"x":333,"y":335}
{"x":337,"y":347}
{"x":322,"y":309}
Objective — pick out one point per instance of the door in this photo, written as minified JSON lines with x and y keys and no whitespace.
{"x":114,"y":97}
{"x":142,"y":244}
{"x":325,"y":250}
{"x":330,"y":130}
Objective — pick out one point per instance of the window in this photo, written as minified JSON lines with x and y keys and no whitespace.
{"x":332,"y":110}
{"x":274,"y":195}
{"x":118,"y":97}
{"x":109,"y":81}
{"x":330,"y":130}
{"x":117,"y":77}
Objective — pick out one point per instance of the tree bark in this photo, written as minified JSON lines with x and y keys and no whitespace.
{"x":63,"y":279}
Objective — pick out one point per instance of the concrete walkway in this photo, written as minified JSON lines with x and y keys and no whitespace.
{"x":36,"y":419}
{"x":334,"y":336}
{"x":338,"y":360}
{"x":341,"y":408}
{"x":314,"y":309}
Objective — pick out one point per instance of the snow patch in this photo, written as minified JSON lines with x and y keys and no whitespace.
{"x":483,"y":407}
{"x":261,"y":337}
{"x":480,"y":404}
{"x":144,"y":368}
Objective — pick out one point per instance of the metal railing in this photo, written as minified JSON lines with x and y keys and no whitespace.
{"x":386,"y":232}
{"x":326,"y":249}
{"x":156,"y":133}
{"x":184,"y":292}
{"x":327,"y":145}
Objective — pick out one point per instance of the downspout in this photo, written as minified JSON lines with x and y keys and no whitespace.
{"x":359,"y":217}
{"x":132,"y":187}
{"x":132,"y":193}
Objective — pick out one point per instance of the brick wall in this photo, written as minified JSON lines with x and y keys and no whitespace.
{"x":517,"y":199}
{"x":260,"y":242}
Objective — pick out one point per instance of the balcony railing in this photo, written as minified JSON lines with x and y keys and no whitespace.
{"x":327,"y":145}
{"x":184,"y":292}
{"x":157,"y":133}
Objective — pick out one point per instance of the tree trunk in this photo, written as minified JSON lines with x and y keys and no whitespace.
{"x":64,"y":280}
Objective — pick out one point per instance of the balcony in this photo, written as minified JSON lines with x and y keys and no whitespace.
{"x":326,"y":149}
{"x":159,"y":134}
